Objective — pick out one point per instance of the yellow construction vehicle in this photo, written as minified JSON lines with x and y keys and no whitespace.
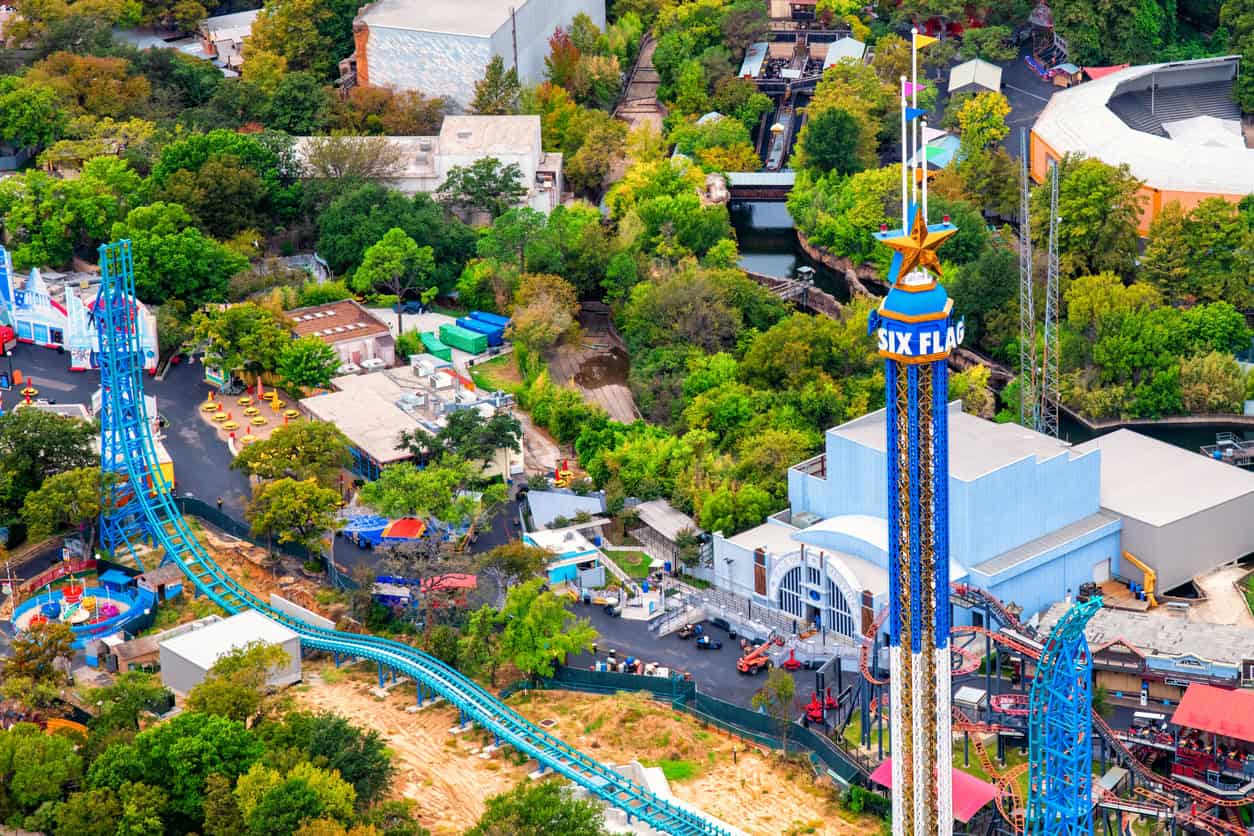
{"x":1150,"y":577}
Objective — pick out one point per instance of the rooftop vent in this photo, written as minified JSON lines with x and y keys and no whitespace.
{"x":464,"y":133}
{"x":424,"y":145}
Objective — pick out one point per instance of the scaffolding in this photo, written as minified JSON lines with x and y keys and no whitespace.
{"x":1028,"y":406}
{"x":1047,"y":421}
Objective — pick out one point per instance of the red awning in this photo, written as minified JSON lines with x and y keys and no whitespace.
{"x":1097,"y":72}
{"x":1218,"y":711}
{"x":406,"y":527}
{"x":970,"y":793}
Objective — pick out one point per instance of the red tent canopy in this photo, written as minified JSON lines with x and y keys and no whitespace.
{"x":1097,"y":72}
{"x":1218,"y":711}
{"x":970,"y":793}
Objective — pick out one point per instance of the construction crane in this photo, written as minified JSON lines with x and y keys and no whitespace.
{"x":1047,"y":420}
{"x":1151,"y":577}
{"x":1027,"y":308}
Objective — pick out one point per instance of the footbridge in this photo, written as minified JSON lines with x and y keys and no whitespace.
{"x":146,"y":512}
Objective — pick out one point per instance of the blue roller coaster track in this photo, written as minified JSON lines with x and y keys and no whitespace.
{"x":1060,"y":721}
{"x":145,"y":512}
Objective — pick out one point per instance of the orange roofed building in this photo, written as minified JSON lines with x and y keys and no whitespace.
{"x":1175,"y":125}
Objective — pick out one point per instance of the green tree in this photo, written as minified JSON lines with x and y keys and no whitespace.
{"x":829,"y":142}
{"x":178,"y":756}
{"x":515,"y":562}
{"x":1099,"y":207}
{"x":479,"y":648}
{"x":174,"y":260}
{"x":35,"y":445}
{"x":291,"y":28}
{"x":1221,"y":246}
{"x":1212,"y":383}
{"x":292,"y":511}
{"x":122,"y":702}
{"x":982,"y":288}
{"x":307,"y":363}
{"x":89,"y":812}
{"x":776,"y":699}
{"x":29,"y":114}
{"x":540,"y":631}
{"x":396,"y":264}
{"x":69,"y":499}
{"x":236,"y":686}
{"x":486,"y":185}
{"x":496,"y":94}
{"x":36,"y":766}
{"x":48,"y":219}
{"x":735,"y":508}
{"x":300,"y":105}
{"x":222,"y":196}
{"x":539,"y":809}
{"x":991,"y":43}
{"x":222,"y":817}
{"x":34,"y":654}
{"x":403,"y":490}
{"x":1166,"y":263}
{"x":545,"y":307}
{"x":467,"y":435}
{"x":271,"y":803}
{"x":982,"y":122}
{"x":243,"y":337}
{"x":303,"y":450}
{"x":856,"y":89}
{"x":331,"y":742}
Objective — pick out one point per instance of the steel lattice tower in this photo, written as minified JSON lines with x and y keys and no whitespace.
{"x":915,"y":338}
{"x":124,"y":432}
{"x":1060,"y":730}
{"x":1028,"y":405}
{"x":1048,"y":420}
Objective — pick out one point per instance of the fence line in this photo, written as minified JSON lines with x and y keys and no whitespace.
{"x":848,"y":766}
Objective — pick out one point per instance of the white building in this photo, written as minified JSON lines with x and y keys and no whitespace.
{"x":441,"y":48}
{"x":427,"y":160}
{"x":187,"y":658}
{"x":222,"y":37}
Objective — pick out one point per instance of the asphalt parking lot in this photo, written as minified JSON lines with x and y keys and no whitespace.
{"x":714,"y":670}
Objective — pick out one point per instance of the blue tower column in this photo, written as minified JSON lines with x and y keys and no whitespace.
{"x":915,"y":337}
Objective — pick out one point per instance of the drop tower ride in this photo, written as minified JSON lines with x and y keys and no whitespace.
{"x":915,"y":338}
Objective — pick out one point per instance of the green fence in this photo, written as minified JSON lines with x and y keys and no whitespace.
{"x":683,"y":695}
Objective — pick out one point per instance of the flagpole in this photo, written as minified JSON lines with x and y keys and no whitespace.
{"x":905,"y":157}
{"x":923,"y":151}
{"x":914,"y":103}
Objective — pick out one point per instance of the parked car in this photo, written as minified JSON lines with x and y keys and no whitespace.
{"x":707,"y":643}
{"x":690,"y":630}
{"x":408,"y":306}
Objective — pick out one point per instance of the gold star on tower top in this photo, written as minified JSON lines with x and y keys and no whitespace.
{"x":918,"y":249}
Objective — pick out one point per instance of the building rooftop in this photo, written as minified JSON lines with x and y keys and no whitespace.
{"x":1115,"y":119}
{"x":775,"y":538}
{"x":1217,"y":710}
{"x":205,"y":646}
{"x":976,"y":447}
{"x":665,"y":519}
{"x":1160,"y":633}
{"x":1159,"y":483}
{"x":564,"y":541}
{"x":845,"y":49}
{"x":232,"y":27}
{"x":485,"y":136}
{"x":467,"y":17}
{"x":546,"y":506}
{"x":336,"y":322}
{"x":973,"y":74}
{"x":1034,"y":548}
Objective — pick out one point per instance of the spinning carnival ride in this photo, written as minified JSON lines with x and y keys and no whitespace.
{"x":142,"y":515}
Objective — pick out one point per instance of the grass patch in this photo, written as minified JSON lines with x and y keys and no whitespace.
{"x":499,"y":373}
{"x":594,"y":725}
{"x":699,"y":583}
{"x":1249,"y":591}
{"x":676,"y":770}
{"x":635,"y":564}
{"x":332,"y":675}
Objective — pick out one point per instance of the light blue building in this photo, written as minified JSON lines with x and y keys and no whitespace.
{"x":1025,"y":523}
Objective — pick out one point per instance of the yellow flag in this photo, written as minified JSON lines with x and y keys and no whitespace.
{"x":921,"y":41}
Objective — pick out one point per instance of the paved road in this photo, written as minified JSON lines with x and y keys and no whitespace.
{"x":1027,"y":93}
{"x":201,"y":459}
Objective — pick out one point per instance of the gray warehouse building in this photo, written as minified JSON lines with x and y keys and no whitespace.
{"x":441,"y":47}
{"x":1183,"y":514}
{"x":187,"y":658}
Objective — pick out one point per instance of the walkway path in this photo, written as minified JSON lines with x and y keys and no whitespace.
{"x":640,"y":102}
{"x":1223,"y":604}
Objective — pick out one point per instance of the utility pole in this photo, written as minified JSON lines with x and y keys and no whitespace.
{"x":1027,"y":307}
{"x":1048,"y":422}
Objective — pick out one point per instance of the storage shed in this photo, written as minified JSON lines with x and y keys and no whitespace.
{"x":187,"y":658}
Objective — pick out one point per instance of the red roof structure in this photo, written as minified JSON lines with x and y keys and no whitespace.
{"x":449,"y":582}
{"x":408,"y":528}
{"x":1218,"y":711}
{"x":1098,"y":72}
{"x":970,"y":793}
